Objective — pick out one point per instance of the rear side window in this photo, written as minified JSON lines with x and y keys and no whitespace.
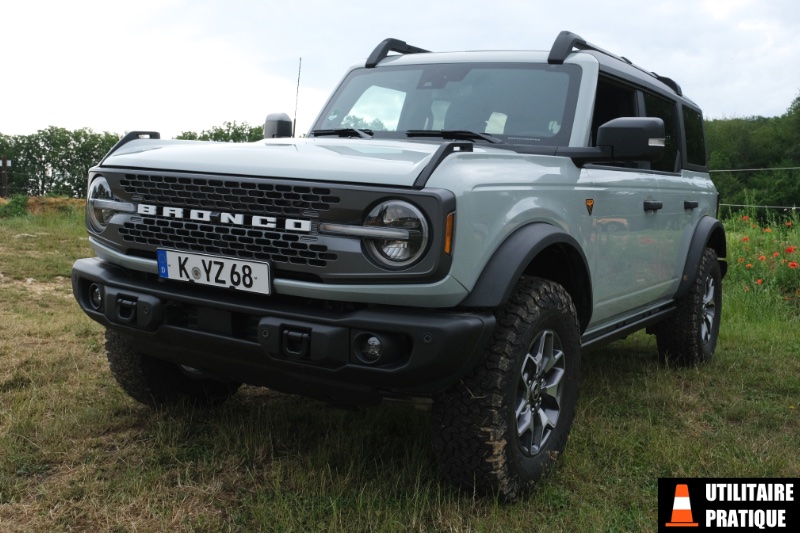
{"x":695,"y":137}
{"x":655,"y":106}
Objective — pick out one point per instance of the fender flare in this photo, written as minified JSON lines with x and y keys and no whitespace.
{"x":709,"y":233}
{"x":537,"y":249}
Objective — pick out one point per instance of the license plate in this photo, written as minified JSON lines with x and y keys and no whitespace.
{"x":216,"y":271}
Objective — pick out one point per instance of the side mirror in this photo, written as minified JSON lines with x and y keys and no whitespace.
{"x":277,"y":125}
{"x":633,"y":138}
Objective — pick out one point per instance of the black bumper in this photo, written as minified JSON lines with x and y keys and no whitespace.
{"x":308,"y":347}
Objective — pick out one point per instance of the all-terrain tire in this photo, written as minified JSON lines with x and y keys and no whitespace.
{"x":503,"y":427}
{"x":689,"y":337}
{"x":157,"y":383}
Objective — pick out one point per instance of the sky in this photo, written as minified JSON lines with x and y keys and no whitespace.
{"x":189,"y":65}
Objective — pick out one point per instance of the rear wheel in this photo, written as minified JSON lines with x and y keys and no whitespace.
{"x":690,"y":336}
{"x":157,"y":383}
{"x":504,"y":426}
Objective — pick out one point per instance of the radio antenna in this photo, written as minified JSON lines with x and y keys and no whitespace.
{"x":297,"y":96}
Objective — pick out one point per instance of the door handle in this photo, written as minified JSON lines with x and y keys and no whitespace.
{"x":650,"y":205}
{"x":690,"y":204}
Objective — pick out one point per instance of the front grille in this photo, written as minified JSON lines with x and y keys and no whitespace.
{"x":229,"y":241}
{"x":250,"y":196}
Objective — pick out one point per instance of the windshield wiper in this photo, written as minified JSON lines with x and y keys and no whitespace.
{"x":344,"y":132}
{"x":459,"y":135}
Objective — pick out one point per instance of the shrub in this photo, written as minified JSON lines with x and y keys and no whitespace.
{"x":16,"y":207}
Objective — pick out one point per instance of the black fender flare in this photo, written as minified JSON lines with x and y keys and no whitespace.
{"x":537,"y":249}
{"x":709,"y":233}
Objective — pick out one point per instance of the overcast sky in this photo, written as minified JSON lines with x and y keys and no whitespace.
{"x":178,"y":65}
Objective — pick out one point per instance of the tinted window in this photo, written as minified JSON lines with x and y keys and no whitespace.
{"x":612,"y":100}
{"x":695,"y":138}
{"x":655,"y":106}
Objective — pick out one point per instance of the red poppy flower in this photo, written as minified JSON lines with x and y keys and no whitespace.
{"x":767,"y":230}
{"x":791,"y":249}
{"x":776,"y":254}
{"x":762,"y":257}
{"x":794,"y":264}
{"x":759,"y":281}
{"x":745,"y":217}
{"x":746,"y":239}
{"x":749,"y":265}
{"x":741,"y":259}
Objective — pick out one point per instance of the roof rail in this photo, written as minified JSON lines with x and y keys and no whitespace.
{"x":669,"y":82}
{"x":567,"y":41}
{"x":391,"y":45}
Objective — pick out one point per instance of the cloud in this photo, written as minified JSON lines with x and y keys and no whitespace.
{"x":179,"y":65}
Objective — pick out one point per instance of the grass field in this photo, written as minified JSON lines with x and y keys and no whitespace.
{"x":76,"y":454}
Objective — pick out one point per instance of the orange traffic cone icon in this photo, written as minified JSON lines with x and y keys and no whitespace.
{"x":682,"y":508}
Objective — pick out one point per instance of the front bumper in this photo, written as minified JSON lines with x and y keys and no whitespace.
{"x":298,"y":345}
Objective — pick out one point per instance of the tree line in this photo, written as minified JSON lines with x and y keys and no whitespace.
{"x":55,"y":160}
{"x":767,"y":149}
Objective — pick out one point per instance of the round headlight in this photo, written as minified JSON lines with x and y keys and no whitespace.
{"x":403,"y":247}
{"x":97,"y":198}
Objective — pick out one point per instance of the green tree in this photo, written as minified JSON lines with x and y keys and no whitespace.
{"x":228,"y":132}
{"x":55,"y":160}
{"x":757,"y":143}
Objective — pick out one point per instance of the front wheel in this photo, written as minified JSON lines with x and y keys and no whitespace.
{"x":505,"y":424}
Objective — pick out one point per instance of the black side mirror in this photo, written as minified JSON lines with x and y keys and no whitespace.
{"x":633,"y":138}
{"x":277,"y":125}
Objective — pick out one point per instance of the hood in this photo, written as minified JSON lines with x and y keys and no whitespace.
{"x":380,"y":162}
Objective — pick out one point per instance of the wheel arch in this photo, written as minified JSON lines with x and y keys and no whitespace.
{"x":541,"y":250}
{"x":709,"y":233}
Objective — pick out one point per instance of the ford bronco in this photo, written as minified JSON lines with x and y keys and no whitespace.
{"x":455,"y":229}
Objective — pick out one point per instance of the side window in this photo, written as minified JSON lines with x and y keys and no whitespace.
{"x":613,"y":100}
{"x":655,"y":106}
{"x":695,"y":137}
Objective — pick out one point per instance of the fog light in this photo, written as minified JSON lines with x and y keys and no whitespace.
{"x":95,"y":296}
{"x":371,"y":349}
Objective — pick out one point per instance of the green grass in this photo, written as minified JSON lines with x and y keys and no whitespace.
{"x":76,"y":454}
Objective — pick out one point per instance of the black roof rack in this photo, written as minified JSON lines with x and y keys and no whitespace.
{"x":567,"y":41}
{"x":391,"y":45}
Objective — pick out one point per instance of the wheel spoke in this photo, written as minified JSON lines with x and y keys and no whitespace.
{"x":708,"y":297}
{"x":552,"y":383}
{"x":524,"y":418}
{"x":542,"y":427}
{"x":529,"y":370}
{"x":709,"y":312}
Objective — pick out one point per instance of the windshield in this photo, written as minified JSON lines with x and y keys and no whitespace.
{"x":519,"y":103}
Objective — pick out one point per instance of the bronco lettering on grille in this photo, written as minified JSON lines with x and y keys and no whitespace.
{"x":201,"y":215}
